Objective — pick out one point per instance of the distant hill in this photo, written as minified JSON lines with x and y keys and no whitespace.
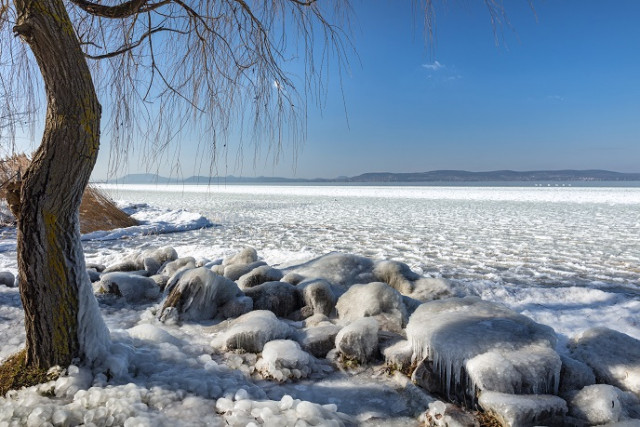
{"x":431,"y":176}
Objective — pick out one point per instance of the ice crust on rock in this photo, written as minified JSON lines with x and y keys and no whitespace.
{"x":574,"y":375}
{"x":441,"y":414}
{"x":377,"y":300}
{"x":132,"y":287}
{"x":7,"y":279}
{"x":245,"y":256}
{"x":235,"y":271}
{"x":251,"y":331}
{"x":279,"y":297}
{"x":523,"y":410}
{"x":258,"y":276}
{"x":613,"y":356}
{"x":197,"y":294}
{"x":319,"y":340}
{"x":284,"y":359}
{"x":470,"y":343}
{"x":318,"y":296}
{"x":358,"y":340}
{"x":150,"y":260}
{"x":596,"y":404}
{"x":342,"y":270}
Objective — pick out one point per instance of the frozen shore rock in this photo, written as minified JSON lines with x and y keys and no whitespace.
{"x":613,"y":356}
{"x":358,"y":340}
{"x":251,"y":331}
{"x":469,"y":344}
{"x":279,"y":297}
{"x":319,"y":340}
{"x":7,"y":278}
{"x":524,"y":409}
{"x":258,"y":276}
{"x":150,"y":260}
{"x":284,"y":359}
{"x":316,"y":297}
{"x":197,"y":294}
{"x":132,"y":287}
{"x":377,"y":300}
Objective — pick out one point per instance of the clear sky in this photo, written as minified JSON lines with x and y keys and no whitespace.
{"x":560,"y":89}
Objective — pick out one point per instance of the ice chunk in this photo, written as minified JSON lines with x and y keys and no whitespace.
{"x":258,"y":276}
{"x":358,"y":340}
{"x":613,"y":356}
{"x":373,"y":299}
{"x":524,"y":409}
{"x":245,"y":256}
{"x":469,"y":343}
{"x":596,"y":404}
{"x":318,"y":296}
{"x":7,"y":278}
{"x":198,"y":293}
{"x":134,"y":288}
{"x":250,"y":332}
{"x":339,"y":269}
{"x":319,"y":340}
{"x":447,"y":415}
{"x":284,"y":359}
{"x":575,"y":375}
{"x":279,"y":297}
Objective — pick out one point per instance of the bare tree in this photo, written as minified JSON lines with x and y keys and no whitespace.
{"x":158,"y":66}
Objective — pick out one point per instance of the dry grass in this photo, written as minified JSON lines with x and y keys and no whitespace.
{"x":97,"y":210}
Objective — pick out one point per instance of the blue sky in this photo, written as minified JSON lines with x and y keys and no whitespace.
{"x":561,"y":89}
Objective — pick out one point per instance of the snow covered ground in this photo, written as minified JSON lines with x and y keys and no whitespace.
{"x":566,"y":257}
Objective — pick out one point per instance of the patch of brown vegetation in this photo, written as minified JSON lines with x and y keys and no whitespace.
{"x":97,"y":210}
{"x":487,"y":419}
{"x":15,"y":375}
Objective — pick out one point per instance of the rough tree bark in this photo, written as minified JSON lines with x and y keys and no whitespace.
{"x":59,"y":321}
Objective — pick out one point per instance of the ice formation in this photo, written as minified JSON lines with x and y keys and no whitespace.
{"x":7,"y":278}
{"x":377,"y":300}
{"x":519,"y":410}
{"x":251,"y":331}
{"x":284,"y":359}
{"x":133,"y":288}
{"x":358,"y":340}
{"x":475,"y":344}
{"x":613,"y":356}
{"x":197,"y":294}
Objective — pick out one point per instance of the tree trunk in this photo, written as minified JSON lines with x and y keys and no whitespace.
{"x":62,"y":319}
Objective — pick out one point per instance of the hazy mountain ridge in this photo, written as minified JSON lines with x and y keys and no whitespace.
{"x":431,"y":176}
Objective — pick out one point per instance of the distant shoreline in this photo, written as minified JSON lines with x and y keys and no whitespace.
{"x":442,"y":177}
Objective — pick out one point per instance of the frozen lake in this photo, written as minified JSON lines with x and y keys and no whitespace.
{"x":566,"y":256}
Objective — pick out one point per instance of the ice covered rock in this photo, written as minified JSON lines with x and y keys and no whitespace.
{"x":7,"y":278}
{"x":359,"y":340}
{"x":596,"y":404}
{"x":245,"y":256}
{"x":94,"y":276}
{"x":236,"y":307}
{"x":318,"y":296}
{"x":197,"y":295}
{"x":258,"y":276}
{"x":180,"y":264}
{"x":339,"y":269}
{"x":613,"y":356}
{"x":95,"y":266}
{"x":284,"y":359}
{"x":161,"y":280}
{"x":470,"y":344}
{"x":150,"y":260}
{"x":251,"y":331}
{"x":400,"y":277}
{"x":444,"y":414}
{"x":293,"y":278}
{"x":396,"y":352}
{"x":574,"y":375}
{"x":235,"y":271}
{"x":279,"y":297}
{"x":319,"y":340}
{"x":132,"y":287}
{"x":377,"y":300}
{"x":524,"y":409}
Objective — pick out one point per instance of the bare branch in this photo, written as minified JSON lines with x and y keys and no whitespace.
{"x":119,"y":11}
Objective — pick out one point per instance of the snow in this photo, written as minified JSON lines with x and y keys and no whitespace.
{"x":563,"y":257}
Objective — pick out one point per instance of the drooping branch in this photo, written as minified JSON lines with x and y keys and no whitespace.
{"x":133,"y":45}
{"x":119,"y":11}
